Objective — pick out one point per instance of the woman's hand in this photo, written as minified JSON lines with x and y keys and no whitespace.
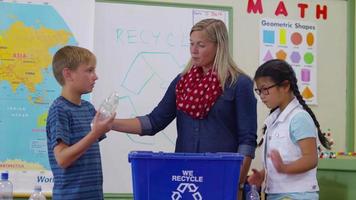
{"x":256,"y":178}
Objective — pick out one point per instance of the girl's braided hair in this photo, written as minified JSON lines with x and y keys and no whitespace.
{"x":279,"y":71}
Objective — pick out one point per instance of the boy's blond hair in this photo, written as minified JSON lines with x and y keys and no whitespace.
{"x":70,"y":57}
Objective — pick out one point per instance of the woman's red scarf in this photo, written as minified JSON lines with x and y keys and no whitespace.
{"x":197,"y":92}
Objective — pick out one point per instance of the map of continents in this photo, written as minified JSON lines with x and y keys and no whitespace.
{"x":29,"y":36}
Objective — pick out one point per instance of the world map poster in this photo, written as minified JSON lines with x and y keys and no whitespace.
{"x":30,"y":34}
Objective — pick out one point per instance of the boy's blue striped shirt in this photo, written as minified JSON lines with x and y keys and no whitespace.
{"x":69,"y":123}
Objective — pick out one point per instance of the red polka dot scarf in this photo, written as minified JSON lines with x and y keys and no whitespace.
{"x":197,"y":92}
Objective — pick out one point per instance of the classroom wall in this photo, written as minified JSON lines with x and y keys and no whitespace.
{"x":249,"y":63}
{"x":249,"y":60}
{"x":329,"y":104}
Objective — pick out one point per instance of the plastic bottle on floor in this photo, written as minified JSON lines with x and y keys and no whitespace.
{"x":37,"y":194}
{"x":6,"y":187}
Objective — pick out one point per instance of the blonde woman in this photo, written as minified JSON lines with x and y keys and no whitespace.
{"x":212,"y":100}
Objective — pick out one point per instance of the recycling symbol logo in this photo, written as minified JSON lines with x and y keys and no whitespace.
{"x":186,"y":187}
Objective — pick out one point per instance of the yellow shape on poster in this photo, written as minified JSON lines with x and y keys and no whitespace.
{"x":282,"y":36}
{"x":307,"y":93}
{"x":310,"y":39}
{"x":281,"y":55}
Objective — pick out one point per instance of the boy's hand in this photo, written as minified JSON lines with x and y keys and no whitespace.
{"x":101,"y":124}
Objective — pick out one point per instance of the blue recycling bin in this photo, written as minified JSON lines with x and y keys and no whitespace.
{"x":184,"y":176}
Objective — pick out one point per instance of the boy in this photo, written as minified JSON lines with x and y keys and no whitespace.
{"x":73,"y":146}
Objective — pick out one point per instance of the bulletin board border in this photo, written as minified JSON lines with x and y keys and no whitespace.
{"x":350,"y":76}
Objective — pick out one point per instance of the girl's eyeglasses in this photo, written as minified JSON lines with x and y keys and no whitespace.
{"x":264,"y":90}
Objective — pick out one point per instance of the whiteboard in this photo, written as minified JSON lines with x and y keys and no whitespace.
{"x":140,"y":49}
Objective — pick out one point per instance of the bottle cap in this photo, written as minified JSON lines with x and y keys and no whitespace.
{"x":4,"y":176}
{"x":38,"y":188}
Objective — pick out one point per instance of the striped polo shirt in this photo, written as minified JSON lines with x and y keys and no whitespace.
{"x":69,"y":123}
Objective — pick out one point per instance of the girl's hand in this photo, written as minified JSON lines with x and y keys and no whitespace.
{"x":256,"y":178}
{"x":277,"y":160}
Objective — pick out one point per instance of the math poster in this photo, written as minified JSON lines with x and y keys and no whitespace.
{"x":294,"y":42}
{"x":30,"y":33}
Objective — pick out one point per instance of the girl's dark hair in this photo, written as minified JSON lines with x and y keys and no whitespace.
{"x":280,"y":71}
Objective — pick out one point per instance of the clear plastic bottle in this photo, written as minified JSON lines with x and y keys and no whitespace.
{"x":5,"y":187}
{"x":110,"y":104}
{"x":253,"y":193}
{"x":37,"y":194}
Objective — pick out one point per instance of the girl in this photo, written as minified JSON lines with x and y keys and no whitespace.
{"x":290,"y":136}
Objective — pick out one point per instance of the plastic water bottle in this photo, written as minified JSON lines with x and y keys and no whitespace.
{"x":253,"y":193}
{"x":37,"y":194}
{"x":5,"y":187}
{"x":108,"y":107}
